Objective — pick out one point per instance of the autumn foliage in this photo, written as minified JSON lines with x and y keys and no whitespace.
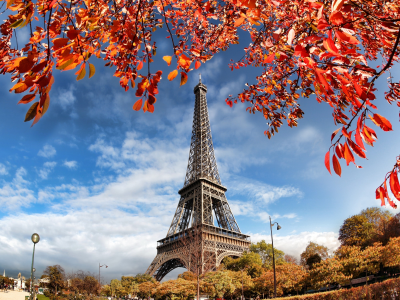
{"x":300,"y":47}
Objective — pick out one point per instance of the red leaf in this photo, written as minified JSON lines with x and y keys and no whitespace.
{"x":357,"y":150}
{"x":394,"y":184}
{"x":336,"y":165}
{"x":339,"y":150}
{"x":345,"y":133}
{"x":73,"y":33}
{"x":334,"y":133}
{"x":269,"y":59}
{"x":197,"y":64}
{"x":336,"y":18}
{"x":25,"y":65}
{"x":329,"y":45}
{"x":327,"y":164}
{"x":140,"y":65}
{"x":359,"y":140}
{"x":138,"y":105}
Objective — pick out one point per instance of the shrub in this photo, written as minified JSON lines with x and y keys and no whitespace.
{"x":382,"y":290}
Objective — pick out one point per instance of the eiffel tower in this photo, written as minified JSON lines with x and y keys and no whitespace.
{"x":202,"y":205}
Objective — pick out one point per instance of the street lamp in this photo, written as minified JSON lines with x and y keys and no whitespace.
{"x":99,"y":272}
{"x":273,"y":252}
{"x":35,"y":239}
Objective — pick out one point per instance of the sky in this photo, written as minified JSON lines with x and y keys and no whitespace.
{"x":99,"y":182}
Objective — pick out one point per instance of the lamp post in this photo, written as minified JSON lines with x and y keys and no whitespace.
{"x":35,"y":239}
{"x":99,"y":272}
{"x":273,"y":252}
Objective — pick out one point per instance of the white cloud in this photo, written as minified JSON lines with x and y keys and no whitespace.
{"x":70,"y":164}
{"x":15,"y":194}
{"x":47,"y":168}
{"x":295,"y":244}
{"x":66,"y":98}
{"x":47,"y":151}
{"x":261,"y":192}
{"x":3,"y":169}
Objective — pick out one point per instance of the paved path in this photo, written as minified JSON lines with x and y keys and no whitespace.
{"x":13,"y":295}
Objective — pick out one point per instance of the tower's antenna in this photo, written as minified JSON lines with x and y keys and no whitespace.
{"x":199,"y":77}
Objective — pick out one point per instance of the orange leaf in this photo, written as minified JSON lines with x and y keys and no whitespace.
{"x":348,"y":155}
{"x":92,"y":70}
{"x":346,"y":37}
{"x":172,"y":75}
{"x":249,"y":3}
{"x":150,"y":107}
{"x":197,"y":65}
{"x":239,"y":21}
{"x":384,"y":124}
{"x":31,"y":112}
{"x":145,"y":106}
{"x":336,"y":165}
{"x":82,"y":73}
{"x":138,"y":105}
{"x":140,"y":65}
{"x":184,"y":61}
{"x":184,"y":78}
{"x":167,"y":59}
{"x":327,"y":164}
{"x":27,"y":98}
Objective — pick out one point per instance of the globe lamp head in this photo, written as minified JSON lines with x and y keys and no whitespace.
{"x":35,"y":238}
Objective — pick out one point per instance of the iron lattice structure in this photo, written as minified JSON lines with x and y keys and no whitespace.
{"x":203,"y":230}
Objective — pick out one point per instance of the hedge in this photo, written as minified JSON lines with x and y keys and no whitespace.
{"x":389,"y":289}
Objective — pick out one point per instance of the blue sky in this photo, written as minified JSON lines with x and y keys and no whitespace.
{"x":99,"y":182}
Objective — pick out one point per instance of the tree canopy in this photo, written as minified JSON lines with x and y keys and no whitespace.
{"x":56,"y":274}
{"x":300,"y":48}
{"x":370,"y":226}
{"x":313,"y":254}
{"x":265,"y":251}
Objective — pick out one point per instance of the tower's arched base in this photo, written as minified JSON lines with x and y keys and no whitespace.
{"x":198,"y":250}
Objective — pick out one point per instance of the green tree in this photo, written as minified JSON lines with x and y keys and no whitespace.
{"x":365,"y":228}
{"x":56,"y":274}
{"x":265,"y":251}
{"x":313,"y":254}
{"x":249,"y":261}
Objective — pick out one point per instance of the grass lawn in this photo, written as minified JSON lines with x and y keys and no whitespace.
{"x":42,"y":297}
